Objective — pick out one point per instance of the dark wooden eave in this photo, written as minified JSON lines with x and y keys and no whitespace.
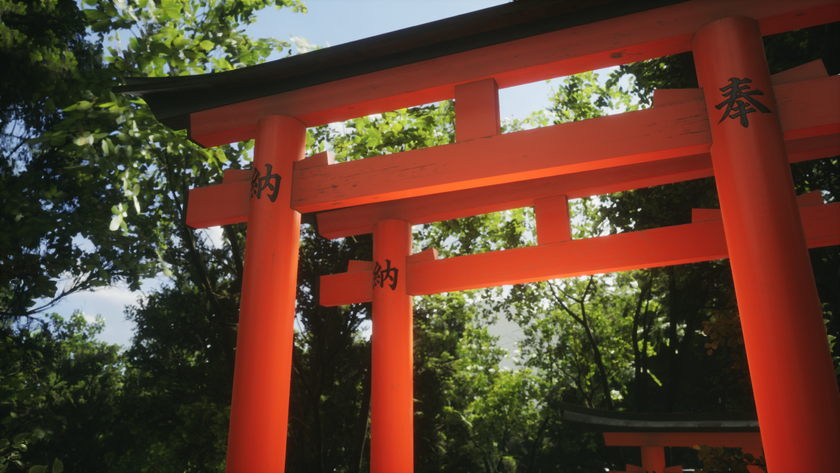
{"x":173,"y":99}
{"x":595,"y":420}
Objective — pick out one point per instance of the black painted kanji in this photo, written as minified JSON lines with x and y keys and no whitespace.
{"x":269,"y":181}
{"x":380,"y":275}
{"x":739,"y":101}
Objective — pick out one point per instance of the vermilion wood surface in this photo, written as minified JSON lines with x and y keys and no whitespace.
{"x":750,"y":442}
{"x":804,"y":200}
{"x":477,"y":110}
{"x":635,"y":137}
{"x":622,"y":252}
{"x":809,"y":71}
{"x":807,"y":109}
{"x":392,"y":380}
{"x":464,"y":203}
{"x":356,"y":265}
{"x":227,"y":203}
{"x":552,"y":216}
{"x":631,"y":38}
{"x":653,"y":458}
{"x":682,"y":439}
{"x":667,"y":246}
{"x":446,"y":206}
{"x":353,"y":287}
{"x":771,"y":268}
{"x":235,"y":175}
{"x":262,"y":374}
{"x":223,"y":204}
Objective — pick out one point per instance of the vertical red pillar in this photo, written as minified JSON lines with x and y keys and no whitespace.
{"x":392,"y":384}
{"x":795,"y":388}
{"x":260,"y":406}
{"x":653,"y":459}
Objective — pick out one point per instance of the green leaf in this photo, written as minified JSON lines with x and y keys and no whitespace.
{"x":206,"y":45}
{"x":38,"y":469}
{"x":115,"y":223}
{"x":58,"y":467}
{"x":101,"y":25}
{"x":180,"y":42}
{"x":95,"y":14}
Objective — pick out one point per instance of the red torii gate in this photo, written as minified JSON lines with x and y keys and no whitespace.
{"x":653,"y":432}
{"x":767,"y":122}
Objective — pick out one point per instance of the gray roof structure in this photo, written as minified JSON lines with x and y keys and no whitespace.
{"x":596,"y":420}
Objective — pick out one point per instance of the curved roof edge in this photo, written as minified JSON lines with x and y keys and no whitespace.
{"x":173,"y":99}
{"x":596,"y":420}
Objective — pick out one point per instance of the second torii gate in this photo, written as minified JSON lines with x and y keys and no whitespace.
{"x":743,"y":126}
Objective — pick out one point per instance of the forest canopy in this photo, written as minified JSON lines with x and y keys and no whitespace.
{"x":80,"y":161}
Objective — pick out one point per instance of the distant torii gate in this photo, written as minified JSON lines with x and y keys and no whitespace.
{"x":743,"y":126}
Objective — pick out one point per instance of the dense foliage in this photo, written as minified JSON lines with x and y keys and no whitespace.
{"x":660,"y":340}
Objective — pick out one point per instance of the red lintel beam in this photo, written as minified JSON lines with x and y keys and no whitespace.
{"x":808,"y":111}
{"x":631,"y":38}
{"x":600,"y":143}
{"x":227,"y":203}
{"x":608,"y":254}
{"x":808,"y":71}
{"x":805,"y":200}
{"x":666,"y":246}
{"x":355,"y":286}
{"x":352,"y":287}
{"x":682,"y":439}
{"x":222,"y":204}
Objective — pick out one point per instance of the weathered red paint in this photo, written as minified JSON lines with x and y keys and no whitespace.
{"x":477,"y":110}
{"x":680,"y":244}
{"x":260,"y":405}
{"x":681,"y":130}
{"x":653,"y":458}
{"x":392,"y":384}
{"x":774,"y":282}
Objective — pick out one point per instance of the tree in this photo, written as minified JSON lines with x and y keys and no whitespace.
{"x":96,"y":151}
{"x":60,"y":386}
{"x":49,"y":197}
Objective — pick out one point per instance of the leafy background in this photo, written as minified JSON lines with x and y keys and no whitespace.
{"x":81,"y":161}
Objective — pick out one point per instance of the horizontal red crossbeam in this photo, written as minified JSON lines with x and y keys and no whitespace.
{"x":227,"y":203}
{"x":749,"y":440}
{"x":807,"y":110}
{"x":631,"y":38}
{"x":466,"y":203}
{"x":591,"y":157}
{"x":681,"y":244}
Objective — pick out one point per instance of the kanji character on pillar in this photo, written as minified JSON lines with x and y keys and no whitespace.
{"x":270,"y":181}
{"x":739,"y":101}
{"x":380,"y":275}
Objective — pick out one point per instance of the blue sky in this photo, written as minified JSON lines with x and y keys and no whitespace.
{"x":328,"y":22}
